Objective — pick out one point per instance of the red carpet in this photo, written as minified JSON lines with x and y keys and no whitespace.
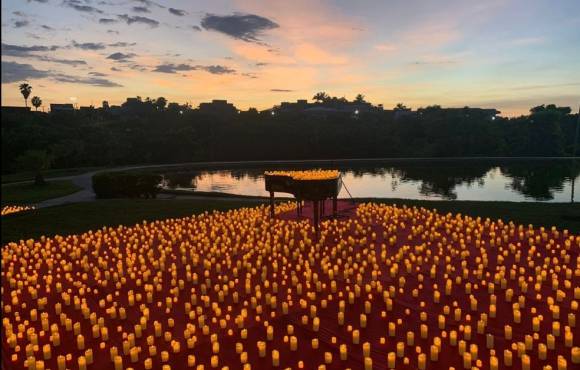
{"x":206,"y":272}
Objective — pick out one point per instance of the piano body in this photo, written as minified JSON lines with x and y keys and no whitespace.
{"x":315,"y":186}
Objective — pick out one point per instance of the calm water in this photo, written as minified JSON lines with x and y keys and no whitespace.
{"x":529,"y":180}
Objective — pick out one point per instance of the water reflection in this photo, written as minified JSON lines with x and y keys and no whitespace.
{"x":539,"y":180}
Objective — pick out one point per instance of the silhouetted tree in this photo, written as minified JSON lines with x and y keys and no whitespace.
{"x":25,"y":90}
{"x":36,"y":101}
{"x":105,"y":105}
{"x":321,"y":97}
{"x":401,"y":106}
{"x":160,"y":103}
{"x":360,"y":98}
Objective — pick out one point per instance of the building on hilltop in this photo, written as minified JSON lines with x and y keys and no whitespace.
{"x":15,"y":110}
{"x":218,"y":107}
{"x":62,"y":108}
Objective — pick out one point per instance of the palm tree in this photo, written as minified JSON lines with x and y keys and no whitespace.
{"x":360,"y":98}
{"x":401,"y":106}
{"x":160,"y":103}
{"x":320,"y":97}
{"x":36,"y":101}
{"x":25,"y":90}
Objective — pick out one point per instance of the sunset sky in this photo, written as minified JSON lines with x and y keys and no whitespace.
{"x":506,"y":54}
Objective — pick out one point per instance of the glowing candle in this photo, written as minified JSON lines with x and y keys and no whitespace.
{"x":391,"y":360}
{"x":493,"y":363}
{"x":134,"y":353}
{"x":261,"y":349}
{"x":526,"y":362}
{"x":410,"y":338}
{"x":80,"y":342}
{"x":508,"y":332}
{"x":315,"y":343}
{"x":118,"y":363}
{"x":453,"y":338}
{"x":424,"y":331}
{"x":542,"y":351}
{"x":441,"y":322}
{"x":46,"y":353}
{"x":551,"y":342}
{"x":575,"y":355}
{"x":368,"y":363}
{"x":467,"y":360}
{"x":562,"y":363}
{"x":61,"y":362}
{"x":82,"y":362}
{"x":214,"y":362}
{"x":148,"y":364}
{"x":327,"y":357}
{"x":363,"y":320}
{"x":400,"y":349}
{"x":434,"y":353}
{"x":293,"y":343}
{"x":275,"y":358}
{"x":343,"y":352}
{"x":507,"y":357}
{"x":355,"y":336}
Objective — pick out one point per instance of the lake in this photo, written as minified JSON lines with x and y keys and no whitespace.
{"x":542,"y":180}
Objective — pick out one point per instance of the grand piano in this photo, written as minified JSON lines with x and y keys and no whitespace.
{"x":315,"y":186}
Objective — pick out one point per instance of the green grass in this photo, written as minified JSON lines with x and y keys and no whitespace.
{"x":80,"y":217}
{"x":561,"y":215}
{"x":29,"y":193}
{"x":29,"y":176}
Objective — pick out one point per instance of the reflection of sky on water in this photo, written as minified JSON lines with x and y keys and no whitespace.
{"x":492,"y":186}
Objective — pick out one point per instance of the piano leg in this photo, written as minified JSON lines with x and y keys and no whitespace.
{"x":334,"y":205}
{"x":316,"y":218}
{"x":298,"y":207}
{"x":322,"y":208}
{"x":272,"y":204}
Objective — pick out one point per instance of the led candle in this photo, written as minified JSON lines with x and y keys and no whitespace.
{"x":293,"y":343}
{"x":508,"y":332}
{"x":82,"y":362}
{"x":562,"y":363}
{"x":148,"y":364}
{"x":467,"y":360}
{"x":575,"y":354}
{"x":526,"y":362}
{"x":327,"y":357}
{"x":542,"y":351}
{"x":61,"y":362}
{"x":214,"y":362}
{"x":315,"y":343}
{"x":134,"y":353}
{"x":363,"y":320}
{"x":507,"y":357}
{"x":80,"y":342}
{"x":368,"y":363}
{"x":422,"y":361}
{"x":89,"y":356}
{"x":441,"y":322}
{"x":392,"y":329}
{"x":275,"y":358}
{"x":453,"y":338}
{"x":410,"y":338}
{"x":46,"y":353}
{"x":261,"y":349}
{"x":355,"y":336}
{"x":118,"y":363}
{"x":551,"y":341}
{"x":434,"y":353}
{"x":400,"y":349}
{"x":366,"y":349}
{"x":270,"y":332}
{"x":493,"y":363}
{"x":424,"y":331}
{"x":391,"y":360}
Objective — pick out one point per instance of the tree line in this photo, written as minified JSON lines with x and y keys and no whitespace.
{"x":160,"y":133}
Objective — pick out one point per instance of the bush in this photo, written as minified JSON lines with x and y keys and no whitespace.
{"x":126,"y":185}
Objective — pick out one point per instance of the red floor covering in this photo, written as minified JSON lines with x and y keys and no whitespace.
{"x":204,"y":273}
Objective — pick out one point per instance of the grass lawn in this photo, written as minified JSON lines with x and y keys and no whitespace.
{"x":29,"y":193}
{"x":561,"y":215}
{"x":29,"y":176}
{"x":80,"y":217}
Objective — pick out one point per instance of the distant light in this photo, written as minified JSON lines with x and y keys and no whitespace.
{"x":493,"y":118}
{"x":356,"y":111}
{"x":180,"y":112}
{"x":273,"y":113}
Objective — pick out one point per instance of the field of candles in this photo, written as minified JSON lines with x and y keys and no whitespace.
{"x":382,"y":287}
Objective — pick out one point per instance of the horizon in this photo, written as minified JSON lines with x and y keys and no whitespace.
{"x":258,"y":54}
